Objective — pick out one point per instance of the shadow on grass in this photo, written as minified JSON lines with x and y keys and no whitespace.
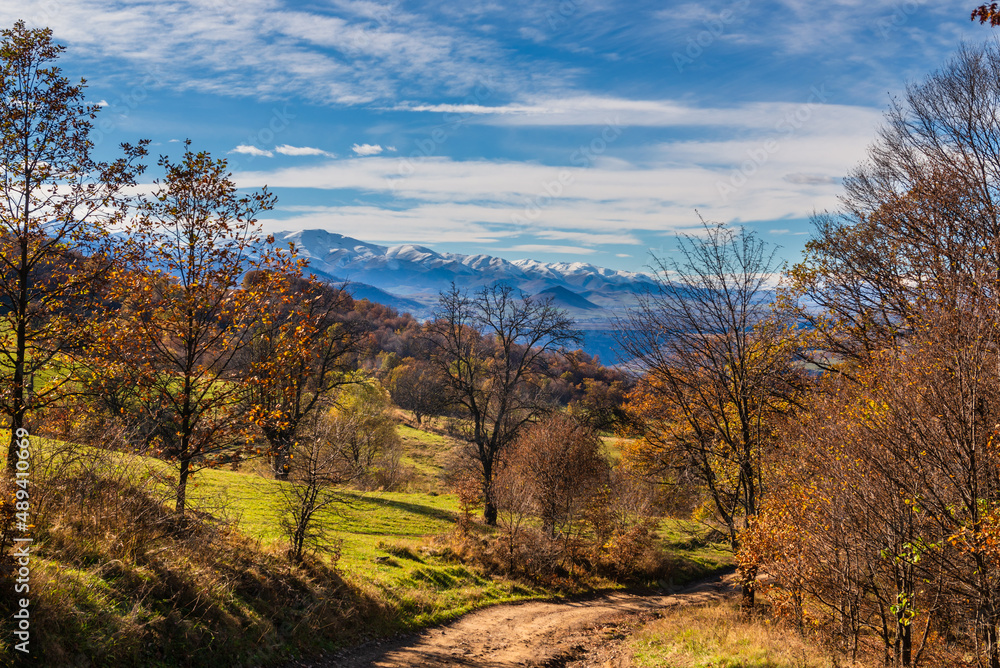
{"x":430,"y":512}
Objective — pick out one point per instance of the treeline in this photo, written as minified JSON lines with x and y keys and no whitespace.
{"x":844,"y":426}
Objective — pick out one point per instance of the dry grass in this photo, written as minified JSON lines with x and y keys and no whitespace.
{"x":717,"y":636}
{"x":118,"y":580}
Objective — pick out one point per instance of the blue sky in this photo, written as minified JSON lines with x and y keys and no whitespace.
{"x":560,"y":130}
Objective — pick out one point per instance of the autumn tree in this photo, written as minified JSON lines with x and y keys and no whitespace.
{"x":887,"y":499}
{"x":899,"y":290}
{"x":362,"y":434}
{"x":602,"y":405}
{"x":918,"y":224}
{"x":299,"y":355}
{"x":492,"y":350}
{"x":987,"y":13}
{"x":185,"y":323}
{"x":58,"y":203}
{"x":417,"y":386}
{"x":716,"y":368}
{"x":564,"y":465}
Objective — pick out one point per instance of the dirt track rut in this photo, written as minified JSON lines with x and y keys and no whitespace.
{"x":534,"y":633}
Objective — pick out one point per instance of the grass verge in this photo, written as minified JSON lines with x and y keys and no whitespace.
{"x":717,"y":636}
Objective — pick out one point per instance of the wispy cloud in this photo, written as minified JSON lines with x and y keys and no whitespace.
{"x":367,"y":149}
{"x":765,"y":170}
{"x":603,"y":110}
{"x":285,"y":149}
{"x":269,"y":49}
{"x":247,"y":149}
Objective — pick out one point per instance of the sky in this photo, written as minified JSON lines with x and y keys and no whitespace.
{"x":556,"y":130}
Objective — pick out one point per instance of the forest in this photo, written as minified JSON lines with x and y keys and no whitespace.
{"x":831,"y":423}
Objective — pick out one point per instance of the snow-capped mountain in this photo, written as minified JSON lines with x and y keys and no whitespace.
{"x":417,"y":274}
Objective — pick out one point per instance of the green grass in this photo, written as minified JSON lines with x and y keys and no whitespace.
{"x":427,"y":454}
{"x":395,"y":573}
{"x":700,"y":551}
{"x":372,"y":529}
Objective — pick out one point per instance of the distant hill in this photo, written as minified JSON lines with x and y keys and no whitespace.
{"x":567,"y":299}
{"x":373,"y":294}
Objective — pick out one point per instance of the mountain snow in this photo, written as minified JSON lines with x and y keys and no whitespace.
{"x":393,"y":268}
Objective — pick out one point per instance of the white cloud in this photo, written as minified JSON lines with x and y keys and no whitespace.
{"x":102,"y":103}
{"x":614,"y":111}
{"x":589,"y":238}
{"x":272,"y":49}
{"x":533,"y":34}
{"x":544,"y":248}
{"x":367,"y":149}
{"x":246,"y":149}
{"x":423,"y":224}
{"x":285,"y":149}
{"x":774,"y":162}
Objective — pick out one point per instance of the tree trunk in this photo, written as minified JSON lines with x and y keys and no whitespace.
{"x":490,"y":513}
{"x":281,"y":463}
{"x":748,"y":579}
{"x":991,"y":642}
{"x":19,"y":407}
{"x":16,"y":422}
{"x":18,"y":411}
{"x":185,"y":470}
{"x":906,"y":644}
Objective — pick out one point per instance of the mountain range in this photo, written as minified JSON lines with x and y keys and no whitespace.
{"x":410,"y":278}
{"x":413,"y":276}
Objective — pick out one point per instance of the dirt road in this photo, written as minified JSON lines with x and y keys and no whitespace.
{"x":529,"y":634}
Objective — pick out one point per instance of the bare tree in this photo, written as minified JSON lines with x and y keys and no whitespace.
{"x":564,"y":466}
{"x":716,"y":368}
{"x":313,"y":493}
{"x":492,"y":350}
